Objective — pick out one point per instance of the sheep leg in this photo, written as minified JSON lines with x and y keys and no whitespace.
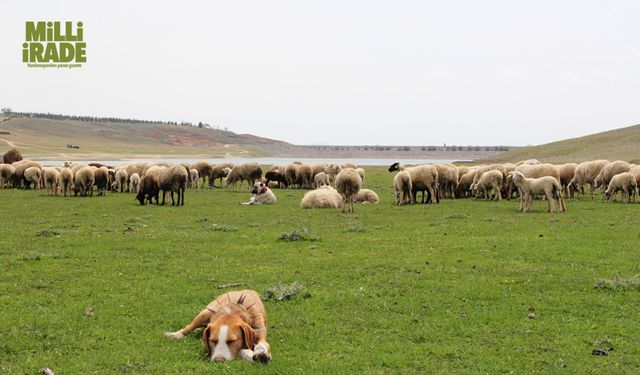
{"x":549,"y":197}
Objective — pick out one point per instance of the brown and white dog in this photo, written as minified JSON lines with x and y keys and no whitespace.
{"x":261,"y":194}
{"x":236,"y":326}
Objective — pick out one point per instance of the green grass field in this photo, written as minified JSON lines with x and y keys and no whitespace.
{"x":447,"y":288}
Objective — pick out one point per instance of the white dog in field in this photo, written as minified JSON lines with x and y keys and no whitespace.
{"x":261,"y":194}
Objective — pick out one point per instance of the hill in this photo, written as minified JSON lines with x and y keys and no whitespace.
{"x":617,"y":144}
{"x":52,"y":138}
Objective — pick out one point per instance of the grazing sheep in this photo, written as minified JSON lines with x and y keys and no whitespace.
{"x":121,"y":180}
{"x":486,"y":168}
{"x":65,"y":180}
{"x":403,"y":187}
{"x":250,"y":172}
{"x":11,"y":156}
{"x":219,"y":171}
{"x":348,"y":183}
{"x":463,"y":189}
{"x":608,"y":171}
{"x":490,"y":180}
{"x":291,"y":174}
{"x":447,"y":180}
{"x":204,"y":169}
{"x":174,"y":179}
{"x":317,"y":168}
{"x":101,"y":180}
{"x":530,"y":187}
{"x":361,"y":172}
{"x":261,"y":195}
{"x":348,"y":165}
{"x":32,"y":175}
{"x":586,"y":173}
{"x":304,"y":176}
{"x":21,"y":166}
{"x":635,"y":171}
{"x":624,"y":182}
{"x":276,"y":176}
{"x":134,"y":183}
{"x":367,"y":196}
{"x":51,"y":180}
{"x":6,"y":172}
{"x":332,"y":171}
{"x":462,"y":170}
{"x":528,"y":162}
{"x":567,"y":171}
{"x":149,"y":188}
{"x":321,"y":179}
{"x":423,"y":178}
{"x":194,"y":177}
{"x":84,"y":179}
{"x":323,"y":197}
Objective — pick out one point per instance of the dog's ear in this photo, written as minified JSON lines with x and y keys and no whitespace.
{"x":249,"y":335}
{"x":205,"y":340}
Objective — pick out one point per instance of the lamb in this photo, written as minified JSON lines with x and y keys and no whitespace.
{"x":11,"y":156}
{"x":403,"y":187}
{"x":586,"y":173}
{"x":6,"y":173}
{"x":84,"y":179}
{"x":423,"y":178}
{"x":566,"y":171}
{"x":65,"y":180}
{"x":219,"y":171}
{"x":321,"y":179}
{"x":608,"y":171}
{"x":304,"y":176}
{"x":348,"y":183}
{"x":175,"y":180}
{"x":490,"y":180}
{"x":332,"y":171}
{"x":32,"y":175}
{"x":250,"y":172}
{"x":464,"y":185}
{"x":149,"y":188}
{"x":122,"y":176}
{"x":204,"y":169}
{"x":101,"y":179}
{"x":194,"y":178}
{"x":291,"y":174}
{"x":361,"y":172}
{"x":530,"y":187}
{"x":367,"y":196}
{"x":323,"y":197}
{"x":533,"y":171}
{"x":277,"y":176}
{"x":51,"y":180}
{"x":134,"y":183}
{"x":624,"y":182}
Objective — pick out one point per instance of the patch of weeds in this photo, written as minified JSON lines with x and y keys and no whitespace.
{"x":48,"y":233}
{"x":438,"y":223}
{"x":458,"y":216}
{"x":33,"y":255}
{"x":221,"y":228}
{"x":282,"y":292}
{"x":490,"y":219}
{"x":355,"y":228}
{"x":619,"y":284}
{"x":254,"y":225}
{"x":303,"y":234}
{"x":202,"y":220}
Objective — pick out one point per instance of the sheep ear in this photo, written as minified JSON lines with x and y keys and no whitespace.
{"x":205,"y":341}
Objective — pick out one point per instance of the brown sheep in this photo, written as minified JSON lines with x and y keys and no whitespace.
{"x":567,"y":171}
{"x":219,"y":172}
{"x":149,"y":188}
{"x":101,"y":180}
{"x":304,"y":176}
{"x":11,"y":156}
{"x":204,"y":169}
{"x":174,"y":179}
{"x":250,"y":172}
{"x":291,"y":174}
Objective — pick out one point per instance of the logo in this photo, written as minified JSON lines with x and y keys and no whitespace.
{"x":54,"y":44}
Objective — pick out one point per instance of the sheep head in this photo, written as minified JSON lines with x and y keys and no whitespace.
{"x":394,"y":167}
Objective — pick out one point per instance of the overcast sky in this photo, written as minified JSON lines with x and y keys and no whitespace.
{"x":343,"y":72}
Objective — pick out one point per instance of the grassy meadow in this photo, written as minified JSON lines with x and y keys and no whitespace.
{"x":461,"y":287}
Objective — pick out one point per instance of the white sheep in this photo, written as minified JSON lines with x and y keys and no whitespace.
{"x":624,"y":182}
{"x":332,"y":171}
{"x":490,"y":180}
{"x":586,"y":173}
{"x":320,"y":179}
{"x":531,"y":187}
{"x":65,"y":180}
{"x":6,"y":173}
{"x":362,"y":173}
{"x":403,"y":188}
{"x":348,"y":183}
{"x":51,"y":180}
{"x":323,"y":197}
{"x":134,"y":183}
{"x":122,"y":176}
{"x":367,"y":196}
{"x":423,"y":178}
{"x":195,"y":178}
{"x":33,"y":175}
{"x":608,"y":171}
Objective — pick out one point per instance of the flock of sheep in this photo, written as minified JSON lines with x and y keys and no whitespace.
{"x":334,"y":185}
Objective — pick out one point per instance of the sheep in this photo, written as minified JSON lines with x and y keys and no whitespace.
{"x":608,"y":171}
{"x":463,"y":188}
{"x":11,"y":156}
{"x":532,"y":171}
{"x":204,"y":169}
{"x":321,"y":179}
{"x":462,"y":170}
{"x":65,"y":180}
{"x":361,"y":172}
{"x":635,"y":171}
{"x":84,"y":179}
{"x":403,"y":187}
{"x":317,"y":168}
{"x":624,"y":182}
{"x":21,"y":166}
{"x":348,"y":183}
{"x":101,"y":179}
{"x":348,"y":165}
{"x":174,"y":179}
{"x":423,"y":178}
{"x":323,"y":197}
{"x":567,"y":171}
{"x":134,"y":183}
{"x":277,"y":176}
{"x":122,"y":176}
{"x":528,"y":162}
{"x":480,"y":170}
{"x":332,"y":171}
{"x":447,"y":180}
{"x":6,"y":172}
{"x":250,"y":172}
{"x":586,"y":173}
{"x":530,"y":187}
{"x":194,"y":178}
{"x":149,"y":188}
{"x":304,"y":176}
{"x":219,"y":171}
{"x":367,"y":196}
{"x":490,"y":180}
{"x":32,"y":175}
{"x":291,"y":174}
{"x":51,"y":180}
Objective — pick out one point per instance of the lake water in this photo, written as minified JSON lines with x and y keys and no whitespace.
{"x":262,"y":161}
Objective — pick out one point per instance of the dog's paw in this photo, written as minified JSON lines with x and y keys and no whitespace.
{"x":262,"y":357}
{"x":174,"y":335}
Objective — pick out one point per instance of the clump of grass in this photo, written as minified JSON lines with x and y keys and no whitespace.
{"x":457,"y":216}
{"x":222,"y":228}
{"x":619,"y":284}
{"x":281,"y":292}
{"x":33,"y":255}
{"x":356,"y":228}
{"x":48,"y":233}
{"x":303,"y":234}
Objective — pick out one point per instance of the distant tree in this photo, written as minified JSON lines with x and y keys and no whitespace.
{"x":200,"y":125}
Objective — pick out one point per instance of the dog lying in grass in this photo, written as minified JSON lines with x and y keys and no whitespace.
{"x":261,"y":194}
{"x":236,"y":327}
